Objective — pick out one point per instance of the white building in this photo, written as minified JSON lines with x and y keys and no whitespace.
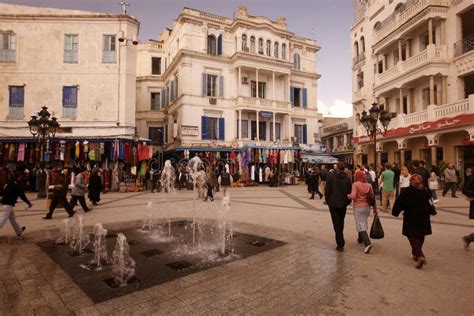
{"x":416,"y":57}
{"x":212,"y":81}
{"x":336,"y":138}
{"x":72,"y":62}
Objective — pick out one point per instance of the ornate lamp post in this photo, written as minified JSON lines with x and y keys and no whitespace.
{"x":43,"y":127}
{"x":370,"y":122}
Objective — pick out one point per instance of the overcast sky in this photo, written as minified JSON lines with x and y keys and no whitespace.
{"x":326,"y":21}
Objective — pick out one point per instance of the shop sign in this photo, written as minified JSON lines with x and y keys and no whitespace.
{"x":422,"y":128}
{"x":334,"y":128}
{"x":187,"y":130}
{"x":267,"y":115}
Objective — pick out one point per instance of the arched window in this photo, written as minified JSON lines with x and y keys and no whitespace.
{"x":252,"y":44}
{"x":244,"y":42}
{"x":275,"y":50}
{"x":269,"y":48}
{"x":398,"y":8}
{"x":296,"y":62}
{"x":283,"y":51}
{"x":362,"y":44}
{"x":260,"y":45}
{"x":377,"y":26}
{"x":211,"y":45}
{"x":356,"y":49}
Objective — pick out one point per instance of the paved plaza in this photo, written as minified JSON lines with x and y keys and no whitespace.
{"x":304,"y":276}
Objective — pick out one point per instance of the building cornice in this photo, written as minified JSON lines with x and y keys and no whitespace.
{"x":56,"y":17}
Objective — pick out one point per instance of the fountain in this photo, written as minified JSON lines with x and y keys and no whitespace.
{"x":100,"y":249}
{"x":80,"y":240}
{"x":123,"y":266}
{"x":168,"y":177}
{"x":149,"y":221}
{"x":66,"y":233}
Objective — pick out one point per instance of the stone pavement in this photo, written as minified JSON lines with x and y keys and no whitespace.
{"x":305,"y":276}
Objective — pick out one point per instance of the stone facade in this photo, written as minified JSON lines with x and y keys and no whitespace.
{"x":72,"y":62}
{"x":197,"y":83}
{"x":336,"y":138}
{"x":415,"y":58}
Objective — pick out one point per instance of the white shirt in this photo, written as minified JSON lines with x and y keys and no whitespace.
{"x":404,"y":181}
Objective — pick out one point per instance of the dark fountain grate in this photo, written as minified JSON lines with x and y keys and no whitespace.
{"x":257,"y":243}
{"x":151,"y":252}
{"x":179,"y":265}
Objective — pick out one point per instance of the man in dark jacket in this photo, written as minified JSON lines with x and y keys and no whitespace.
{"x":313,"y":184}
{"x":468,"y":191}
{"x":338,"y":186}
{"x":12,"y":191}
{"x":59,"y":196}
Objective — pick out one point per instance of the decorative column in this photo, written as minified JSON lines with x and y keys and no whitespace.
{"x":408,"y":48}
{"x":430,"y":31}
{"x":379,"y":159}
{"x":256,"y":84}
{"x":442,"y":35}
{"x":239,"y":84}
{"x":258,"y":124}
{"x":273,"y":85}
{"x":444,"y":91}
{"x":432,"y":92}
{"x":402,"y":157}
{"x":400,"y":50}
{"x":240,"y":124}
{"x":289,"y":127}
{"x":274,"y":125}
{"x":400,"y":110}
{"x":433,"y":155}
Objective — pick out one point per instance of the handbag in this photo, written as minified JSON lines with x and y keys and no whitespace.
{"x":376,"y":230}
{"x":433,"y":185}
{"x":371,"y":198}
{"x":431,"y":207}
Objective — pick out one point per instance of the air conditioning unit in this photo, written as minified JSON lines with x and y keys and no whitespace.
{"x":245,"y":80}
{"x":212,"y":101}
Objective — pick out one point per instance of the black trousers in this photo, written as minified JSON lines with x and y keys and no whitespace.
{"x":416,"y":243}
{"x":209,"y":193}
{"x":337,"y":215}
{"x":54,"y":204}
{"x":82,"y":201}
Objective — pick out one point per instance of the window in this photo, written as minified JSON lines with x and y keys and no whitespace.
{"x":16,"y":102}
{"x":156,"y":135}
{"x":425,"y":97}
{"x":211,"y":85}
{"x":269,"y":48}
{"x":7,"y":47}
{"x":211,"y":45}
{"x":155,"y":101}
{"x":405,"y":105}
{"x":156,"y":65}
{"x":252,"y":44}
{"x":261,"y":89}
{"x":244,"y":42}
{"x":71,"y":48}
{"x":69,"y":102}
{"x":212,"y":128}
{"x":425,"y":40}
{"x":299,"y":97}
{"x":296,"y":62}
{"x":260,"y":46}
{"x":283,"y":51}
{"x":360,"y":80}
{"x":275,"y":50}
{"x":362,"y":44}
{"x":108,"y":50}
{"x":380,"y":66}
{"x":395,"y":57}
{"x":404,"y":52}
{"x":277,"y":132}
{"x":300,"y":133}
{"x":245,"y":128}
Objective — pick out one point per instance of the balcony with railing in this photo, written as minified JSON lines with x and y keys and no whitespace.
{"x":69,"y":113}
{"x":430,"y":55}
{"x":408,"y":12}
{"x":464,"y":55}
{"x":7,"y":55}
{"x":259,"y":103}
{"x":358,"y":59}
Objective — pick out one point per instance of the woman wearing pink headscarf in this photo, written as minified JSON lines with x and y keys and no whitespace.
{"x":360,"y":193}
{"x":414,"y":201}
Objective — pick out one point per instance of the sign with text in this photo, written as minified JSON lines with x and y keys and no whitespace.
{"x":267,"y":115}
{"x":187,"y":130}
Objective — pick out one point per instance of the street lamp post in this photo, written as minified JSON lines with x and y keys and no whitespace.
{"x":370,"y":122}
{"x":43,"y":127}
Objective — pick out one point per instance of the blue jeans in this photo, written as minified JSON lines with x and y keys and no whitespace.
{"x":9,"y":214}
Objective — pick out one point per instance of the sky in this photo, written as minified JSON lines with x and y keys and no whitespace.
{"x":326,"y":21}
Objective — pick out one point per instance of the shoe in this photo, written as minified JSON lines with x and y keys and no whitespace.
{"x":88,"y":210}
{"x":47,"y":217}
{"x":454,"y":196}
{"x":420,"y":262}
{"x":360,"y":241}
{"x":72,"y":214}
{"x":22,"y":230}
{"x":340,"y":249}
{"x":212,"y":199}
{"x":311,"y":198}
{"x":435,"y":201}
{"x":367,"y":249}
{"x":444,"y":194}
{"x":414,"y":258}
{"x":465,"y":243}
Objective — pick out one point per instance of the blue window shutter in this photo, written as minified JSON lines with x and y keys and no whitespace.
{"x":292,"y":96}
{"x":73,"y":95}
{"x":64,"y":96}
{"x":204,"y":84}
{"x":204,"y":127}
{"x":219,"y":45}
{"x":305,"y":134}
{"x":305,"y":98}
{"x":12,"y":96}
{"x":221,"y":86}
{"x":221,"y":129}
{"x":21,"y":96}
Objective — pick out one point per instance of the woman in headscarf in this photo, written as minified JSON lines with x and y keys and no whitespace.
{"x":360,"y":194}
{"x":415,"y":204}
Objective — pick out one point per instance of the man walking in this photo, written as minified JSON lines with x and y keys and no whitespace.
{"x":396,"y":178}
{"x":387,"y":189}
{"x":338,"y":186}
{"x":450,"y":180}
{"x":59,"y":196}
{"x":78,"y":192}
{"x":12,"y":191}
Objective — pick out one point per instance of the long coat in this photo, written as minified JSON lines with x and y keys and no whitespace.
{"x":416,"y":214}
{"x":95,"y":186}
